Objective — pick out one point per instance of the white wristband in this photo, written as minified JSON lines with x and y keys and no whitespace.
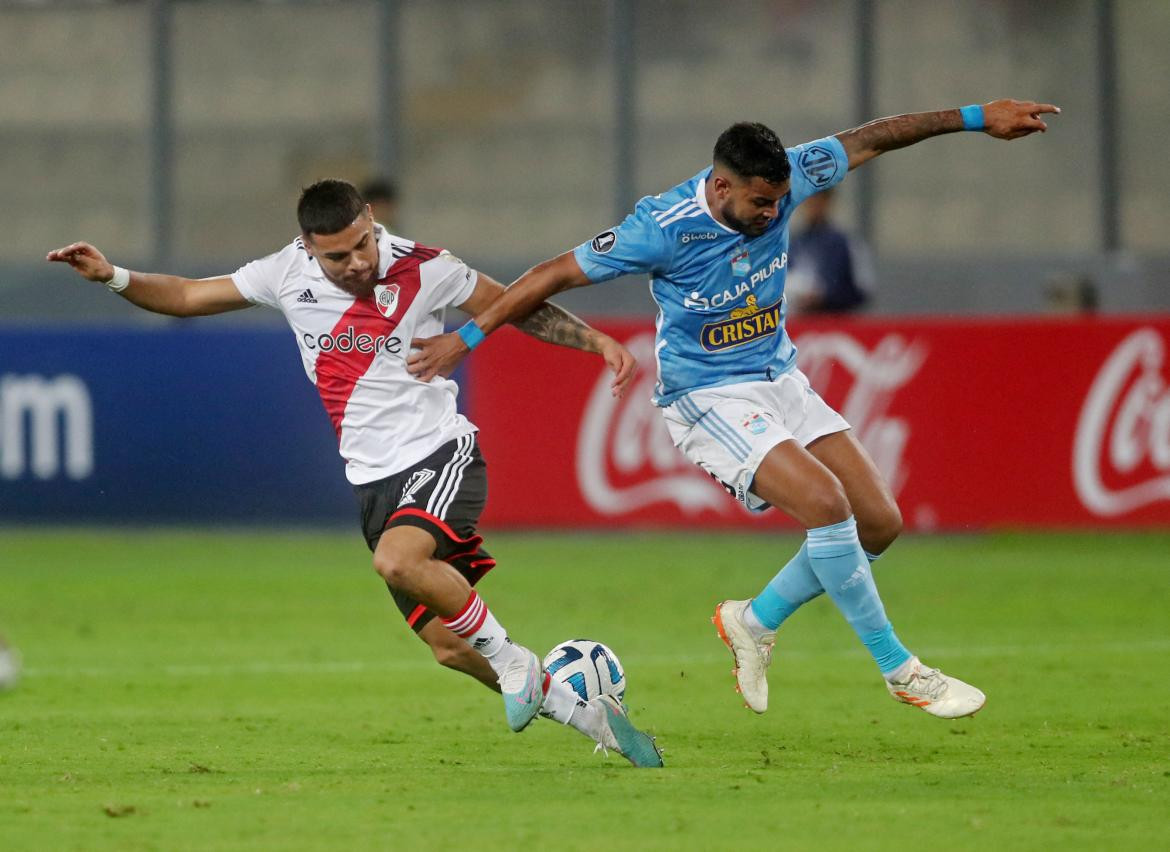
{"x":120,"y":281}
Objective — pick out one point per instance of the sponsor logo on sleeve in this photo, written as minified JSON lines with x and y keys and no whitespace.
{"x":604,"y":242}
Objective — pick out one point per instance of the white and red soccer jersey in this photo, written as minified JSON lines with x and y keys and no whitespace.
{"x":354,"y":350}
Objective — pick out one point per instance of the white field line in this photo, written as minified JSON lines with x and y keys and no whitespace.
{"x":343,"y":667}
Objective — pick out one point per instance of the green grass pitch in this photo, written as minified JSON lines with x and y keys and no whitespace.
{"x":188,"y":690}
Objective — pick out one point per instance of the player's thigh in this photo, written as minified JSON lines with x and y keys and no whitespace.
{"x":796,"y":482}
{"x":878,"y":519}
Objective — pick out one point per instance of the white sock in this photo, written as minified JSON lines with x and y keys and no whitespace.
{"x":756,"y":627}
{"x":902,"y":673}
{"x":476,"y":625}
{"x":560,"y":702}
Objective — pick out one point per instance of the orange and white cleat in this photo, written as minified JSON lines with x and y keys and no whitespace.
{"x":938,"y":694}
{"x":752,"y":655}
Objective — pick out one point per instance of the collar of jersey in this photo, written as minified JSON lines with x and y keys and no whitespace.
{"x":701,"y":199}
{"x":385,"y":256}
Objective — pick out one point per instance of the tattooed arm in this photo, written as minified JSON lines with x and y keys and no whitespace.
{"x":553,"y":324}
{"x":547,"y":322}
{"x":1003,"y":119}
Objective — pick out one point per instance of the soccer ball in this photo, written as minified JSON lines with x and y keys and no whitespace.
{"x":588,"y":668}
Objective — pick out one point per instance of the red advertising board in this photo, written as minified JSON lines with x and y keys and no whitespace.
{"x":976,"y":424}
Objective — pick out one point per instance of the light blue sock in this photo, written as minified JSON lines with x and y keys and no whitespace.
{"x":793,"y":587}
{"x":838,"y":561}
{"x":788,"y":591}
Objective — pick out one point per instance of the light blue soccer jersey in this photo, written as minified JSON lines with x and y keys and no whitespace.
{"x":720,"y":293}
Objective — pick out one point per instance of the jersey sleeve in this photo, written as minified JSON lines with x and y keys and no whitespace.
{"x":637,"y":246}
{"x":259,"y":281}
{"x":816,"y":166}
{"x":447,"y":281}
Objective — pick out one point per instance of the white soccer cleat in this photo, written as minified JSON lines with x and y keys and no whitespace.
{"x":752,"y":655}
{"x":936,"y":693}
{"x":521,"y":683}
{"x":617,"y":733}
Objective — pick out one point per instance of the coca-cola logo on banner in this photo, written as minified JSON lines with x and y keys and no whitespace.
{"x":625,"y":458}
{"x":626,"y":461}
{"x":1121,"y":453}
{"x":863,"y":390}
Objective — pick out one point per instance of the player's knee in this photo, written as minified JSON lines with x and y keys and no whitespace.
{"x":828,"y":505}
{"x":395,"y":569}
{"x":879,"y":529}
{"x":889,"y":526}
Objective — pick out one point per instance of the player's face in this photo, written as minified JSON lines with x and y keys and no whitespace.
{"x":749,"y":205}
{"x":348,"y":258}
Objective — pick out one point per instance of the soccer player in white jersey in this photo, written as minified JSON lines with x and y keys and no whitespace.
{"x":715,"y":248}
{"x":355,"y":296}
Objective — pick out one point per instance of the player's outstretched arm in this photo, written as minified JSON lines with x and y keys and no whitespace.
{"x":439,"y":356}
{"x":553,"y":324}
{"x":1003,"y":119}
{"x":162,"y":294}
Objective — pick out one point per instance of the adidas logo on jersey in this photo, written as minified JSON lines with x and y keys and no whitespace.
{"x":307,"y":296}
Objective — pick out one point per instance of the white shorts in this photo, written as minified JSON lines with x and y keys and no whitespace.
{"x":728,"y":430}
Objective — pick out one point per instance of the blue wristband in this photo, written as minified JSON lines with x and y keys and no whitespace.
{"x":972,"y":117}
{"x":472,"y":334}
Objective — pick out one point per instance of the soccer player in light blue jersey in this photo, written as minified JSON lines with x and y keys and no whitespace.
{"x":716,"y":250}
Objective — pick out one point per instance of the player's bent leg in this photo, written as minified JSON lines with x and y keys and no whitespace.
{"x":403,"y":558}
{"x":840,"y":564}
{"x":879,"y":520}
{"x":454,"y":653}
{"x":794,"y":481}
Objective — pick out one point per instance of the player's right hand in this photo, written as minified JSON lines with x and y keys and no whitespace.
{"x":435,"y":356}
{"x":87,"y":260}
{"x":1012,"y":119}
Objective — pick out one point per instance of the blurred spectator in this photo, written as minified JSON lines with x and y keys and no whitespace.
{"x":9,"y":665}
{"x":382,"y":196}
{"x":829,"y":271}
{"x":1071,"y":294}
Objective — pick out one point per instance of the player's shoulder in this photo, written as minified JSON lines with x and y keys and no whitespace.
{"x":821,"y":162}
{"x":434,"y":265}
{"x":291,"y":261}
{"x":668,"y":210}
{"x":404,"y":253}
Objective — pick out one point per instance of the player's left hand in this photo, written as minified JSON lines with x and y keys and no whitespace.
{"x":435,"y":356}
{"x":1010,"y":119}
{"x":621,"y":361}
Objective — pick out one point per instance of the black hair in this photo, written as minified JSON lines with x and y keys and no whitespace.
{"x":750,"y":150}
{"x":329,"y":206}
